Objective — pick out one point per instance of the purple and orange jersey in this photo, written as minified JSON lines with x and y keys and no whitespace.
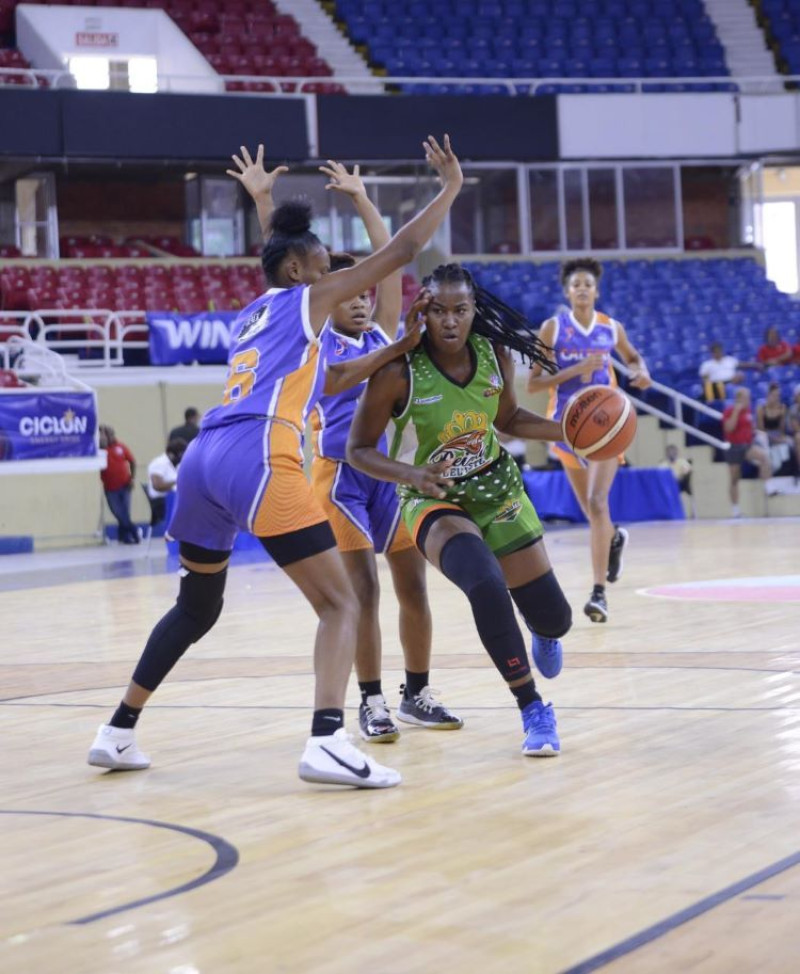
{"x":332,"y":416}
{"x":572,"y":343}
{"x":244,"y":471}
{"x":274,"y":366}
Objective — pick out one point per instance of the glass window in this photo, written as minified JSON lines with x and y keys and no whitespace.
{"x":603,"y":209}
{"x":650,"y":214}
{"x":543,"y":190}
{"x":708,"y":213}
{"x":573,"y":208}
{"x":485,"y":215}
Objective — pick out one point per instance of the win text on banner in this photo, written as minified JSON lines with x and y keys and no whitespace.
{"x":177,"y":339}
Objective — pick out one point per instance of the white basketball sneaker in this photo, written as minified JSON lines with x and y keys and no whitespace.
{"x":115,"y":748}
{"x":332,"y":760}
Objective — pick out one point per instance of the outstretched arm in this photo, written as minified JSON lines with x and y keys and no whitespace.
{"x":511,"y":418}
{"x":341,"y":376}
{"x":386,"y":391}
{"x":332,"y":289}
{"x":258,"y":183}
{"x":389,"y":299}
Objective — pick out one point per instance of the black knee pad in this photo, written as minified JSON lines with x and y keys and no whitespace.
{"x":544,"y":606}
{"x":466,"y":561}
{"x":200,"y":600}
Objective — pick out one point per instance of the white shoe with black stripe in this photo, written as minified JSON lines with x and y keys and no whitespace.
{"x":333,"y":760}
{"x":115,"y":748}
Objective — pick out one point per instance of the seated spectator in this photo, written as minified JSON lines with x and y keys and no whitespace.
{"x":771,"y":419}
{"x":117,"y":480}
{"x":681,"y":469}
{"x":717,"y":371}
{"x":774,"y":351}
{"x":793,"y":420}
{"x":190,"y":428}
{"x":739,"y":430}
{"x":162,"y":471}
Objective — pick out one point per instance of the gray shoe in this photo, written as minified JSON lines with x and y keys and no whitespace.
{"x":425,"y":711}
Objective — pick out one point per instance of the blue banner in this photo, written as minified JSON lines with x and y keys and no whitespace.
{"x":36,"y":425}
{"x":177,"y":339}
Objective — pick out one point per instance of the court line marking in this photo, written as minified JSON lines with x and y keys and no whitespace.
{"x":780,"y":708}
{"x":670,"y":923}
{"x":227,"y":858}
{"x":310,"y":673}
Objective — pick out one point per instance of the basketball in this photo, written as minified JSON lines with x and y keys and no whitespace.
{"x":599,"y":422}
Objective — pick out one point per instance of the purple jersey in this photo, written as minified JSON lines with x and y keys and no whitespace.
{"x":332,"y":416}
{"x":573,"y":342}
{"x":274,"y":365}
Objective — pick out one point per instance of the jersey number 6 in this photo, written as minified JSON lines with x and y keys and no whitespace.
{"x":241,"y":377}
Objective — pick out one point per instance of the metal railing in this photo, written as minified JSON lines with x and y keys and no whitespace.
{"x":98,"y":336}
{"x":374,"y":84}
{"x":679,"y":400}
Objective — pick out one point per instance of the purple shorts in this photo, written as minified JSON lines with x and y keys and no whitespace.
{"x":246,"y":476}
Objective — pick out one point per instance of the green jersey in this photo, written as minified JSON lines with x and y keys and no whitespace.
{"x":455,"y":422}
{"x":450,"y":421}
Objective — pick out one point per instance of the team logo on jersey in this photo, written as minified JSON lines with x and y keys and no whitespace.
{"x":339,"y":348}
{"x":508,"y":512}
{"x":463,"y":443}
{"x":495,"y":387}
{"x":256,"y":323}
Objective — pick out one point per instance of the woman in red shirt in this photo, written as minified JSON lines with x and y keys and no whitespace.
{"x":117,"y":481}
{"x":774,"y":351}
{"x":739,"y":430}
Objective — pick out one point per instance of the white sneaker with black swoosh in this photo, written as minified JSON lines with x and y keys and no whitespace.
{"x":115,"y":748}
{"x":332,"y":760}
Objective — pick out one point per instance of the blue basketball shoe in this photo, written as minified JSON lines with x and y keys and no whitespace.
{"x":541,"y":736}
{"x":547,"y":655}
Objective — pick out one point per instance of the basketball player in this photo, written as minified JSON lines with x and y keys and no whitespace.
{"x":244,"y":472}
{"x":462,"y":497}
{"x":582,"y":340}
{"x":364,"y":513}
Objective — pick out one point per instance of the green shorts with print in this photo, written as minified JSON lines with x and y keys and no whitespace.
{"x":494,"y":499}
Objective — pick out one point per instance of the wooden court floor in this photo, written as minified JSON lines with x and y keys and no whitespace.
{"x":666,"y":837}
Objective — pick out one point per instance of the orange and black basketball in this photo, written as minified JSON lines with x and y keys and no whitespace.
{"x":599,"y":422}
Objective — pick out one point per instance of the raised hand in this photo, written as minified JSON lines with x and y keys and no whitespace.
{"x":252,"y":175}
{"x":346,"y":182}
{"x":444,"y":161}
{"x":412,"y":334}
{"x":431,"y":480}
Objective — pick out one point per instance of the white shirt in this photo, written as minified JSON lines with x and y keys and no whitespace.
{"x":166,"y":469}
{"x":719,"y":370}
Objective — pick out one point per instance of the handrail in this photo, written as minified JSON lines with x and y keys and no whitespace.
{"x":679,"y":400}
{"x":379,"y":84}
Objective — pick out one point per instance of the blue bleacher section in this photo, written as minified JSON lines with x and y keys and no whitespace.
{"x":783,"y":22}
{"x":672,"y":311}
{"x":551,"y":39}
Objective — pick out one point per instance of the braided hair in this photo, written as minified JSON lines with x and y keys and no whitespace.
{"x":494,"y":319}
{"x":290,"y":231}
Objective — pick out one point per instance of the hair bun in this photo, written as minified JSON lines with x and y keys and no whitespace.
{"x":291,"y":219}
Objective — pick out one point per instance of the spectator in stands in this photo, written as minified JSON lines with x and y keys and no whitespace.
{"x":681,"y":469}
{"x":162,"y":471}
{"x":793,"y":420}
{"x":190,"y":428}
{"x":771,"y":419}
{"x":117,"y":479}
{"x":717,"y":371}
{"x":739,"y":430}
{"x":775,"y":350}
